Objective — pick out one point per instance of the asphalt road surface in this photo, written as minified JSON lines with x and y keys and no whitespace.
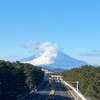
{"x":53,"y":91}
{"x":61,"y":92}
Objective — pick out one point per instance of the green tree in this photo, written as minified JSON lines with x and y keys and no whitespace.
{"x":89,"y":80}
{"x":17,"y":78}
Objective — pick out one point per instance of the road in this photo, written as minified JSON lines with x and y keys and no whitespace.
{"x":61,"y":92}
{"x":56,"y":91}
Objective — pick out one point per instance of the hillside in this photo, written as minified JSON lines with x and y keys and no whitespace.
{"x":89,"y":80}
{"x":17,"y":78}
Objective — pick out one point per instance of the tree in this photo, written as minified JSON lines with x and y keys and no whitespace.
{"x":89,"y":79}
{"x":17,"y":78}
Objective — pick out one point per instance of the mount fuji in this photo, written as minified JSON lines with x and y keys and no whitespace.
{"x":50,"y":56}
{"x":57,"y":61}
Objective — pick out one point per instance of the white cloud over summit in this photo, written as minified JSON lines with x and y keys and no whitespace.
{"x":41,"y":47}
{"x":45,"y":52}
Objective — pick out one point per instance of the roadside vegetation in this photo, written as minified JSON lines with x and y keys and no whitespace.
{"x":17,"y":78}
{"x":89,"y":80}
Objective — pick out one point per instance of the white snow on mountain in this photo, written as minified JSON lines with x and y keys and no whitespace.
{"x":46,"y":52}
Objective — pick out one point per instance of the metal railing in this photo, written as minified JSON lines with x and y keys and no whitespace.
{"x":25,"y":95}
{"x":76,"y":94}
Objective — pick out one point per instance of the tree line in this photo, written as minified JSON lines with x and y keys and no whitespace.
{"x":17,"y":78}
{"x":89,"y":80}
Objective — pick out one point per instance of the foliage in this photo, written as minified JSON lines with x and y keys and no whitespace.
{"x":89,"y":80}
{"x":17,"y":78}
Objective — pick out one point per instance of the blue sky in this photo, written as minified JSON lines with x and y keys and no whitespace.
{"x":74,"y":25}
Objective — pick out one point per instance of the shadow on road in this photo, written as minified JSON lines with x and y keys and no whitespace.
{"x":38,"y":96}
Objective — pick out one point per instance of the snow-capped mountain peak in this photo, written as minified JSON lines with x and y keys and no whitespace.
{"x":44,"y":58}
{"x":50,"y":56}
{"x":45,"y":55}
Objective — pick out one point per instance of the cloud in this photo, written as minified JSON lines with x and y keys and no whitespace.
{"x":93,"y":53}
{"x":32,"y":46}
{"x":45,"y":52}
{"x":41,"y":46}
{"x":91,"y":57}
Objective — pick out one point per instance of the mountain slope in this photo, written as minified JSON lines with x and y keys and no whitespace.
{"x":53,"y":61}
{"x":64,"y":61}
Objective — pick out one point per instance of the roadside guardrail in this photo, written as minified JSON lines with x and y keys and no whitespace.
{"x":76,"y":94}
{"x":25,"y":95}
